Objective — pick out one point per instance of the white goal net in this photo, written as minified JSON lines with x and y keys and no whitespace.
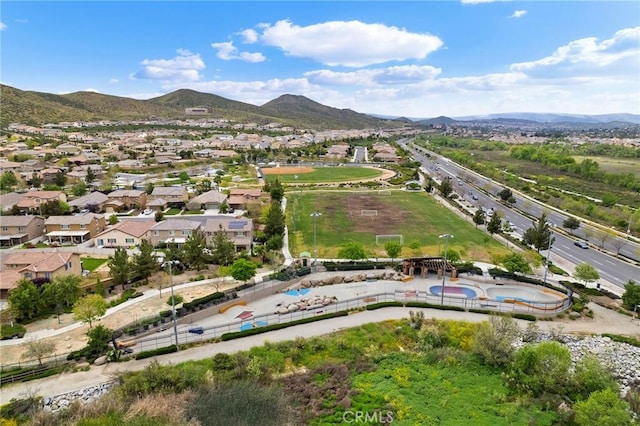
{"x":381,"y":239}
{"x":368,"y":212}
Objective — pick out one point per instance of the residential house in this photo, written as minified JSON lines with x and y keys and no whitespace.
{"x":74,"y":229}
{"x":49,"y":175}
{"x":172,"y":231}
{"x":175,"y":195}
{"x":16,"y":230}
{"x":33,"y":199}
{"x":128,"y":233}
{"x":10,"y":199}
{"x":209,"y":200}
{"x":157,"y":204}
{"x":240,"y":197}
{"x":94,"y":202}
{"x":127,"y":198}
{"x":37,"y":266}
{"x":240,"y":231}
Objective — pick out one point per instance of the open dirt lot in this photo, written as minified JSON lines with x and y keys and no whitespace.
{"x":286,"y":170}
{"x":387,"y":219}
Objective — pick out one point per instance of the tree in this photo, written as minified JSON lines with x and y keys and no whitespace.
{"x":506,"y":195}
{"x":539,"y":235}
{"x":144,"y":263}
{"x":602,"y":236}
{"x":222,"y":272}
{"x":36,"y":182}
{"x":89,"y":308}
{"x":630,"y":297}
{"x":60,"y":179}
{"x":274,"y":223}
{"x":224,"y":207}
{"x":175,"y":300}
{"x":591,"y":375}
{"x":617,"y":244}
{"x":393,"y":249}
{"x":495,"y":224}
{"x":38,"y":349}
{"x":353,"y":251}
{"x":571,"y":223}
{"x":603,"y":408}
{"x":276,"y":190}
{"x":587,"y":273}
{"x":515,"y":262}
{"x":62,"y":292}
{"x":446,"y":188}
{"x":223,"y":251}
{"x":120,"y":267}
{"x":452,"y":255}
{"x":494,"y":340}
{"x":91,"y":176}
{"x":8,"y":180}
{"x":243,"y":270}
{"x":99,"y":338}
{"x":54,"y":208}
{"x":25,"y":300}
{"x":79,"y":189}
{"x":194,"y":255}
{"x":113,"y":219}
{"x":540,"y":368}
{"x":149,"y":188}
{"x":479,"y":217}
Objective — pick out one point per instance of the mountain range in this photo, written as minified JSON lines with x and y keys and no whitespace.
{"x":37,"y":108}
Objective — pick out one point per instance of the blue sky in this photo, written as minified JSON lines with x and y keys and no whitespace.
{"x":413,"y":59}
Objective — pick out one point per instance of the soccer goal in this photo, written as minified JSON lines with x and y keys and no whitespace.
{"x":384,"y":192}
{"x":371,"y":213}
{"x":381,"y":239}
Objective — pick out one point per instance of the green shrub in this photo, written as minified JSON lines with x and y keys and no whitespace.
{"x":432,"y":306}
{"x":623,"y":339}
{"x":156,"y":352}
{"x":379,"y":305}
{"x":9,"y":332}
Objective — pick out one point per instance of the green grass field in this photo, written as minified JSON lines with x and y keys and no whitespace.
{"x":615,"y":165}
{"x":327,"y":174}
{"x":415,"y":215}
{"x":92,"y":263}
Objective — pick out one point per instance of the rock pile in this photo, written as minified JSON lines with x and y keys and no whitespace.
{"x":621,"y":358}
{"x":307,"y":304}
{"x":386,"y":275}
{"x":84,"y":396}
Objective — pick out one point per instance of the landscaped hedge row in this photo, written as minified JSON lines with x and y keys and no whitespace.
{"x":9,"y":332}
{"x":159,"y":351}
{"x":203,"y":300}
{"x":468,"y":268}
{"x":258,"y":330}
{"x":582,"y":289}
{"x":526,"y":317}
{"x":289,"y":274}
{"x":495,"y":272}
{"x":623,"y":339}
{"x":379,"y":305}
{"x":432,"y":306}
{"x":355,"y":266}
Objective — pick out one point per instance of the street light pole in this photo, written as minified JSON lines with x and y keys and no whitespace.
{"x":315,"y":216}
{"x":444,"y":265}
{"x":546,"y":266}
{"x":173,"y":301}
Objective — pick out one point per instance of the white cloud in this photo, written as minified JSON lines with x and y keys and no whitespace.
{"x":589,"y":57}
{"x":518,"y":14}
{"x":185,"y":66}
{"x":227,"y":51}
{"x":249,"y":36}
{"x":91,"y":89}
{"x":114,"y":81}
{"x":586,"y":76}
{"x":3,"y":26}
{"x":348,"y":43}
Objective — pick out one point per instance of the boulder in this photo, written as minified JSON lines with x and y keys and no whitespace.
{"x":100,"y":360}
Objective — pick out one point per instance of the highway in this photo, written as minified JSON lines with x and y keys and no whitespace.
{"x":479,"y":191}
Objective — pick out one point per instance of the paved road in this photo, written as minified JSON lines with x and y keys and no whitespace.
{"x":611,"y":269}
{"x":605,"y":321}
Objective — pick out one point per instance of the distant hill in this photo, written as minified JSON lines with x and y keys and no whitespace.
{"x":557,"y":118}
{"x":38,"y":108}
